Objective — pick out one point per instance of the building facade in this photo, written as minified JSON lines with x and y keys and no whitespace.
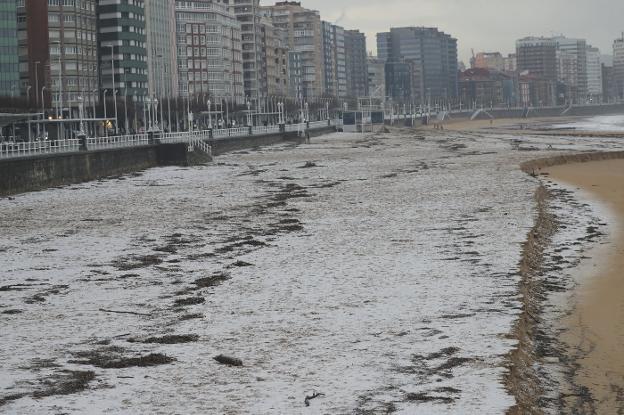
{"x":255,"y":78}
{"x":59,"y":54}
{"x":208,"y":39}
{"x":161,"y":48}
{"x":485,"y":88}
{"x":264,"y":51}
{"x":537,"y":61}
{"x":123,"y":49}
{"x":356,"y":64}
{"x":574,"y":79}
{"x":334,"y":60}
{"x":431,"y":52}
{"x":303,"y":27}
{"x":510,"y":63}
{"x":618,"y":67}
{"x":275,"y":42}
{"x":489,"y":60}
{"x":9,"y":52}
{"x":384,"y":46}
{"x":34,"y":51}
{"x":594,"y":75}
{"x":376,"y":76}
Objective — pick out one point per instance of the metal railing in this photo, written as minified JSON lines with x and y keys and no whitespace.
{"x":201,"y":145}
{"x":117,"y":141}
{"x":10,"y":149}
{"x":24,"y":149}
{"x":265,"y":129}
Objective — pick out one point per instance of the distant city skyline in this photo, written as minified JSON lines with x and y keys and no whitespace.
{"x":482,"y":25}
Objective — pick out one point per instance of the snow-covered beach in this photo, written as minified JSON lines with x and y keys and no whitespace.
{"x":378,"y":271}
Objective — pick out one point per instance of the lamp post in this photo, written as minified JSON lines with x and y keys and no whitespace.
{"x":37,"y":82}
{"x":81,"y":113}
{"x":162,"y":87}
{"x":43,"y":110}
{"x":93,"y":95}
{"x":28,"y":88}
{"x":115,"y":92}
{"x":59,"y":101}
{"x":125,"y":103}
{"x":105,"y":116}
{"x":248,"y":114}
{"x":112,"y":47}
{"x":209,"y":114}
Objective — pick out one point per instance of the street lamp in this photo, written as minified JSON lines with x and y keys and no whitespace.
{"x":112,"y":47}
{"x":248,"y":114}
{"x":59,"y":101}
{"x":43,"y":109}
{"x":209,"y":114}
{"x":81,"y":113}
{"x":37,"y":82}
{"x":105,"y":116}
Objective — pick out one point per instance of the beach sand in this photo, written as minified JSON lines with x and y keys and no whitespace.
{"x":501,"y":123}
{"x":596,"y":326}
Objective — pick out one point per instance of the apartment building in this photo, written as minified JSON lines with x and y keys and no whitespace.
{"x":334,"y":60}
{"x":58,"y":52}
{"x":594,"y":75}
{"x":123,"y":49}
{"x":537,"y":60}
{"x":357,"y":63}
{"x":9,"y":69}
{"x":303,"y":27}
{"x":208,"y":40}
{"x":431,"y":52}
{"x":618,"y":67}
{"x":161,"y":48}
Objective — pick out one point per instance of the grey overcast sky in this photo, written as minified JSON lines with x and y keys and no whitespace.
{"x":482,"y":25}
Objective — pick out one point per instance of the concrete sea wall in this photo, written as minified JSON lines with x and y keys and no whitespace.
{"x":42,"y":171}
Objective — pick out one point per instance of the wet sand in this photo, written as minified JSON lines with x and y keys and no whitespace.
{"x":596,"y":325}
{"x":500,"y":123}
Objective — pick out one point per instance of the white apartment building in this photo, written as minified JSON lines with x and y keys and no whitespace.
{"x":208,"y":41}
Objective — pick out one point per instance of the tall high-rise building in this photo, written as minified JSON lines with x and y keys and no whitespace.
{"x":305,"y":39}
{"x":357,"y":64}
{"x":161,"y":48}
{"x":618,"y":66}
{"x":275,"y":54}
{"x":58,"y":52}
{"x":433,"y":55}
{"x":123,"y":49}
{"x":576,"y":79}
{"x":384,"y":46}
{"x":594,"y":74}
{"x":208,"y":38}
{"x":9,"y":70}
{"x":248,"y":13}
{"x":559,"y":60}
{"x":334,"y":64}
{"x":537,"y":57}
{"x":34,"y":51}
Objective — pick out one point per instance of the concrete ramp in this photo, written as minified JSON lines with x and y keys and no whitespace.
{"x":481,"y":113}
{"x":567,"y":110}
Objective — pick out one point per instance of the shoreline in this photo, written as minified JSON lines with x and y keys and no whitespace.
{"x":538,"y":339}
{"x":594,"y":332}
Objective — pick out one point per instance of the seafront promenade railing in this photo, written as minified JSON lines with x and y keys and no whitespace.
{"x":9,"y":150}
{"x":23,"y":149}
